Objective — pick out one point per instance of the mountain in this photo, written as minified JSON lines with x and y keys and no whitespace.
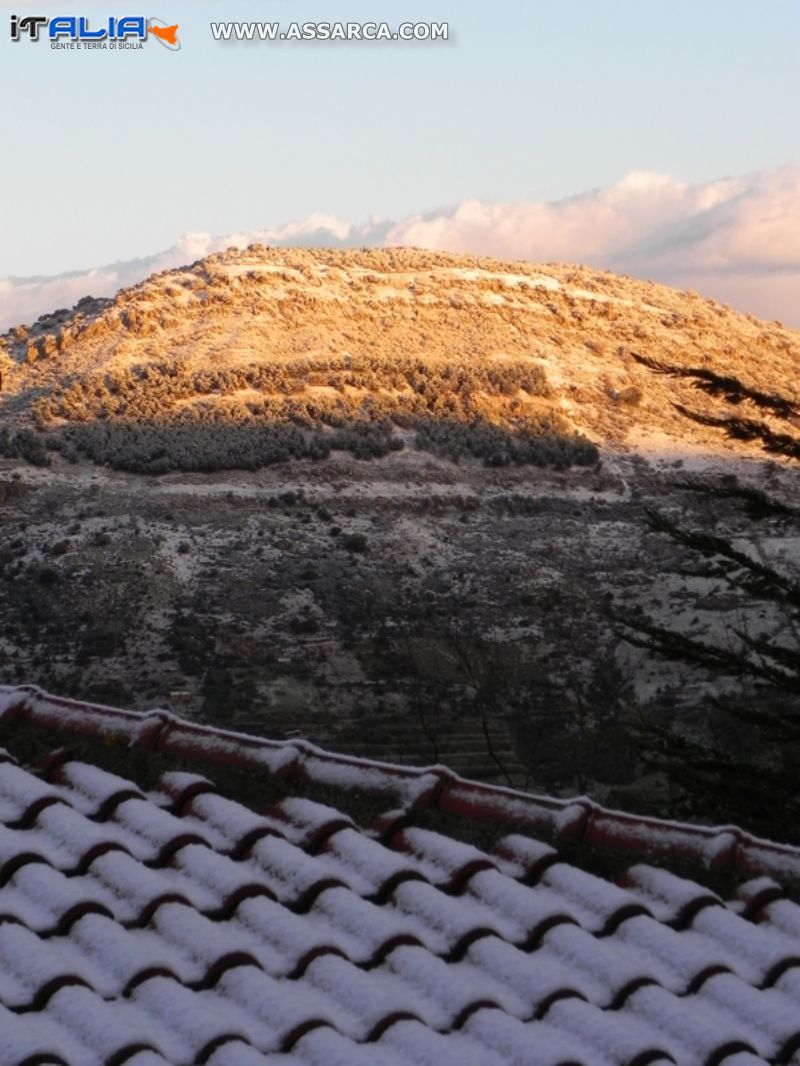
{"x":732,"y":238}
{"x":586,"y":344}
{"x":403,"y":502}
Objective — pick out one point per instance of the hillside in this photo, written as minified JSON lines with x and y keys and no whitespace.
{"x":320,"y":339}
{"x":399,"y":502}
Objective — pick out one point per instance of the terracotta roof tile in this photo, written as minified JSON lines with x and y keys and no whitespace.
{"x":180,"y":926}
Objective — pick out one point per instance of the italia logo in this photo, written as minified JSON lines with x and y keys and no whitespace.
{"x":77,"y":31}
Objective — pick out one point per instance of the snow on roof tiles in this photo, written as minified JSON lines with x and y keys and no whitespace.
{"x":180,"y":926}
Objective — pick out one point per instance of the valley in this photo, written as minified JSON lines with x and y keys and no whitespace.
{"x":405,"y":505}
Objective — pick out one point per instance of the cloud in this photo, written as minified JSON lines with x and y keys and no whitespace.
{"x":721,"y":234}
{"x":736,"y":239}
{"x":22,"y":300}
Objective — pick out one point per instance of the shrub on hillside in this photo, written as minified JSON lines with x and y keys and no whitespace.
{"x":24,"y":444}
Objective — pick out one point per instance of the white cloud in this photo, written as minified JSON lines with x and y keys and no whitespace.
{"x":648,"y":224}
{"x":735,"y":239}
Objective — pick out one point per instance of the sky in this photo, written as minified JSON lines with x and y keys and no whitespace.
{"x":673,"y":126}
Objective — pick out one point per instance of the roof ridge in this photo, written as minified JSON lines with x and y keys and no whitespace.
{"x":579,"y":820}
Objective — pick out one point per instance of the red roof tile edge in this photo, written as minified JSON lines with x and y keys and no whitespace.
{"x":721,"y":849}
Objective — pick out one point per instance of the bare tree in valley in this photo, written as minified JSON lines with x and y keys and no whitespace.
{"x":740,"y":759}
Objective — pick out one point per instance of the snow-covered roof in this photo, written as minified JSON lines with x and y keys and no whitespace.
{"x":180,"y":925}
